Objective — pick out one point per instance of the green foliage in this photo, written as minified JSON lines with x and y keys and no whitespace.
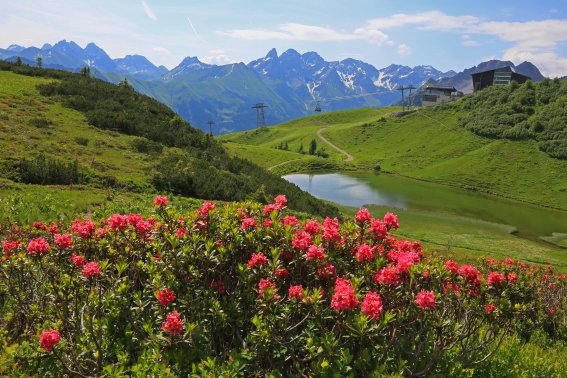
{"x":112,"y":322}
{"x":83,"y":141}
{"x":230,"y":179}
{"x":147,"y":146}
{"x":312,"y":147}
{"x":47,"y":171}
{"x":40,"y":122}
{"x":521,"y":111}
{"x":120,"y":110}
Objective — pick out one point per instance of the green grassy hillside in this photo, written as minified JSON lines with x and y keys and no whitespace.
{"x":118,"y":140}
{"x":427,"y":144}
{"x":430,"y":145}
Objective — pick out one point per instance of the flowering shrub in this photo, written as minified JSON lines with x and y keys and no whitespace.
{"x":49,"y":339}
{"x":173,"y":324}
{"x":245,"y":289}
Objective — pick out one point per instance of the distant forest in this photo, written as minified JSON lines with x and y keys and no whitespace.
{"x":521,"y":111}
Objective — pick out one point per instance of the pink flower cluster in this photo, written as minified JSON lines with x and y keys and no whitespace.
{"x":173,"y":324}
{"x":165,"y":296}
{"x":257,"y":259}
{"x":64,"y":241}
{"x":38,"y":245}
{"x":343,"y":297}
{"x":91,"y":269}
{"x":331,"y":229}
{"x":83,"y":228}
{"x":295,"y":292}
{"x":160,"y":201}
{"x":425,"y":299}
{"x":315,"y":253}
{"x":264,"y":285}
{"x":372,"y":305}
{"x":48,"y":339}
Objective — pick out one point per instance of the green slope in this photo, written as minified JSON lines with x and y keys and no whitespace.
{"x":299,"y":133}
{"x":427,"y":144}
{"x":430,"y":145}
{"x":120,"y":140}
{"x":67,"y":135}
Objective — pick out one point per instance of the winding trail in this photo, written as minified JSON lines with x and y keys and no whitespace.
{"x":283,"y":163}
{"x":349,"y":157}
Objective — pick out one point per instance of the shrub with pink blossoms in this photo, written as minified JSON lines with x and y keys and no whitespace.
{"x":425,"y":299}
{"x":91,"y":269}
{"x":48,"y":339}
{"x":344,"y":297}
{"x":173,"y":324}
{"x":386,"y":311}
{"x":38,"y":245}
{"x":372,"y":305}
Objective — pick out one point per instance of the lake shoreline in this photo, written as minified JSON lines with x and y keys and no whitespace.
{"x":448,"y":184}
{"x":362,"y":187}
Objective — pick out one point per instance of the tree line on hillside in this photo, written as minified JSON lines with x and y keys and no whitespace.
{"x":521,"y":111}
{"x":202,"y":168}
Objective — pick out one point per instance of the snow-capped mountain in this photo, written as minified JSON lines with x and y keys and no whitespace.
{"x":71,"y":56}
{"x":394,"y":76}
{"x":187,"y":65}
{"x":139,"y":66}
{"x":307,"y":78}
{"x":290,"y":84}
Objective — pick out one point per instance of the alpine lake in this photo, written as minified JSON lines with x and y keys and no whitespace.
{"x":399,"y":194}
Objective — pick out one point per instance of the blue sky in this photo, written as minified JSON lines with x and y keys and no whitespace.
{"x":445,"y":34}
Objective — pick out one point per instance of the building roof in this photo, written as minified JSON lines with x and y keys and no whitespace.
{"x":439,"y":88}
{"x":506,"y":68}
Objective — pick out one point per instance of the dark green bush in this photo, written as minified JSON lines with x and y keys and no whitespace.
{"x":521,"y":111}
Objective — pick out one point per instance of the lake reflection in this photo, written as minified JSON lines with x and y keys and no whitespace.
{"x":345,"y":190}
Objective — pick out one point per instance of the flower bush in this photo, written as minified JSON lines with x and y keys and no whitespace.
{"x":244,"y":289}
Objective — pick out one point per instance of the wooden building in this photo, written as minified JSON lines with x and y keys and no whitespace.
{"x":434,"y":95}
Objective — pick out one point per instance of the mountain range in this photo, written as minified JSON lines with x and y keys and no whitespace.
{"x":290,"y":85}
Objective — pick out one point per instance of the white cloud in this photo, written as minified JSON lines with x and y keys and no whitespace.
{"x":161,"y":50}
{"x":149,"y":12}
{"x":404,"y":50}
{"x":217,"y":57}
{"x":433,"y":20}
{"x":535,"y":41}
{"x":302,"y":32}
{"x":468,"y":41}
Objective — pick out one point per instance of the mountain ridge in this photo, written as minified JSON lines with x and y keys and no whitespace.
{"x":290,"y":84}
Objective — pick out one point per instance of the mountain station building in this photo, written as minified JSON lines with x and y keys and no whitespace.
{"x":434,"y":95}
{"x":502,"y":75}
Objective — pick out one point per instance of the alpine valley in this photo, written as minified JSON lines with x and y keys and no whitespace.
{"x":290,"y":84}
